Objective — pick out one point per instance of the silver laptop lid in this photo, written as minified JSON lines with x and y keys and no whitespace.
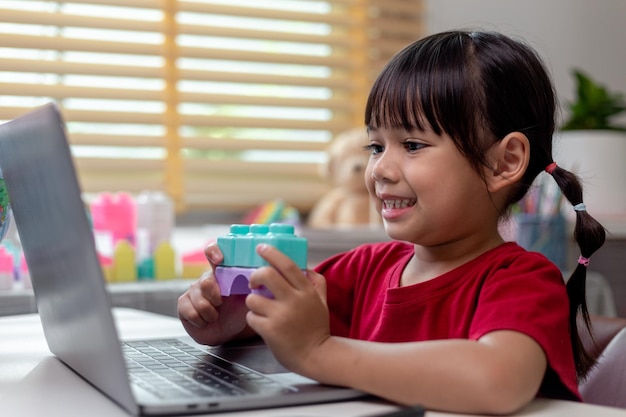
{"x":74,"y":307}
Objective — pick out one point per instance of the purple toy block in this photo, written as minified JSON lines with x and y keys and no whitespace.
{"x":234,"y":280}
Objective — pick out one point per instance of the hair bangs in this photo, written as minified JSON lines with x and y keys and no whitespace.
{"x":395,"y":102}
{"x":422,"y":87}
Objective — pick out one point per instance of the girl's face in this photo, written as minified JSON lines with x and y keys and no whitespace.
{"x":424,"y":189}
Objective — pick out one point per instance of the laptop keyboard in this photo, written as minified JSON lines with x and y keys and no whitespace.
{"x":171,"y":369}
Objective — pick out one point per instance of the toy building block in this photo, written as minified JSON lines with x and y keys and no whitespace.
{"x":164,"y":261}
{"x":240,"y":257}
{"x":124,"y":269}
{"x":145,"y":269}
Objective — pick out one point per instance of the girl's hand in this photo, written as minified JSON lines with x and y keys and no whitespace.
{"x":295,"y":322}
{"x":208,"y":317}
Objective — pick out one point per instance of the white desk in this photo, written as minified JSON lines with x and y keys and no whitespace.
{"x":33,"y":383}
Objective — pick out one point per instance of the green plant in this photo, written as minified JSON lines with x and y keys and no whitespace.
{"x":594,"y":106}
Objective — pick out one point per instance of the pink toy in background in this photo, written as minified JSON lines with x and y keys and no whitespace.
{"x":6,"y":269}
{"x":115,"y":214}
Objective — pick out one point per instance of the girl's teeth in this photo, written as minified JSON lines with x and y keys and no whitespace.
{"x":397,"y":203}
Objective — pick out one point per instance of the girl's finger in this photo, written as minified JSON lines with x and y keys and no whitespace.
{"x":256,"y":321}
{"x":210,"y":289}
{"x":213,"y":254}
{"x":269,"y":278}
{"x":206,"y":312}
{"x":283,"y":264}
{"x":259,"y":305}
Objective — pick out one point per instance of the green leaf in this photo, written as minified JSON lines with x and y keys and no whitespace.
{"x":594,"y":106}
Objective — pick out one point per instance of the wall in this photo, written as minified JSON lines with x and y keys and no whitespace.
{"x":590,"y":35}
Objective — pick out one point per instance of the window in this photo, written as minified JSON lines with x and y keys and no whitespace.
{"x":220,"y":106}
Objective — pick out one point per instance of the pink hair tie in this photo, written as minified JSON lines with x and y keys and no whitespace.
{"x":550,"y":168}
{"x":583,"y":261}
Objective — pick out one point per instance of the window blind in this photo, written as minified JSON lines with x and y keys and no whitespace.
{"x":220,"y":106}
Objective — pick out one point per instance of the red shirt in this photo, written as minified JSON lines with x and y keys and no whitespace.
{"x":506,"y":288}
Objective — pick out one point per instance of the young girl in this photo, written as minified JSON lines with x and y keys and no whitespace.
{"x":447,"y":314}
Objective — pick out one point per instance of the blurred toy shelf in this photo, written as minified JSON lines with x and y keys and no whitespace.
{"x":154,"y":296}
{"x":161,"y":296}
{"x":324,"y":243}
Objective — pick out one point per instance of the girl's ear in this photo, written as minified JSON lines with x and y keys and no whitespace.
{"x":509,"y":160}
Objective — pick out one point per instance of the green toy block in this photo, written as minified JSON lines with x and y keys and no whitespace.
{"x":239,"y":245}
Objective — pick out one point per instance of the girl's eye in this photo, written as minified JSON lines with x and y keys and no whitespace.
{"x":373,"y":148}
{"x":413,"y":146}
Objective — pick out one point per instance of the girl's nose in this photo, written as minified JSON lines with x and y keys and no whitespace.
{"x":383,"y":168}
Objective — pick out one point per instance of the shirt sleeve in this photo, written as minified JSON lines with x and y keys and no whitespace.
{"x":529,"y":296}
{"x":340,"y":276}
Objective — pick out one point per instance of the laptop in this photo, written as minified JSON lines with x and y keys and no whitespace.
{"x":75,"y":309}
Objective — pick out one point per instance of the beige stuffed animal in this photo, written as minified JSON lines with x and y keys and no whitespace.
{"x":347,"y":203}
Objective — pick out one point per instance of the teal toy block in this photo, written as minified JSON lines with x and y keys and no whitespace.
{"x":239,"y":245}
{"x":240,"y":257}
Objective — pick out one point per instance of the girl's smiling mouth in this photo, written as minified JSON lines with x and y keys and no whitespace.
{"x":395,"y":207}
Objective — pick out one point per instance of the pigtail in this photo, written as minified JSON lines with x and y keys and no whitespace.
{"x":589,"y":235}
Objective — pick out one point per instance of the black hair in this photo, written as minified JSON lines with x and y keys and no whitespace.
{"x":477,"y":87}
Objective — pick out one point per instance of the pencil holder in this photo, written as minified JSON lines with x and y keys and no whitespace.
{"x":545,"y":234}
